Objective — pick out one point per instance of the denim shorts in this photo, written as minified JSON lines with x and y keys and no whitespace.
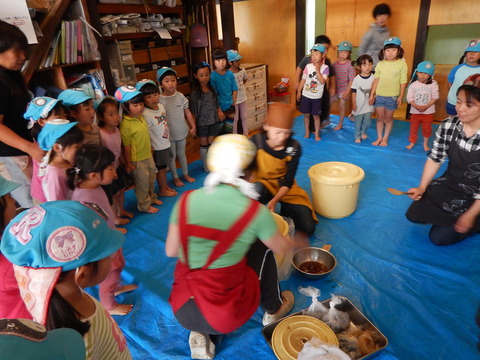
{"x":388,"y":102}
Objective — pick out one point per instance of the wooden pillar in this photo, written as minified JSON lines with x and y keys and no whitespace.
{"x":300,"y":16}
{"x":228,"y":24}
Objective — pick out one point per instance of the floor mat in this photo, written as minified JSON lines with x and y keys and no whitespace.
{"x":423,"y":298}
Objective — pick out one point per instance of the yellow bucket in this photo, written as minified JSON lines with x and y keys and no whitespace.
{"x":335,"y":187}
{"x":282,"y":226}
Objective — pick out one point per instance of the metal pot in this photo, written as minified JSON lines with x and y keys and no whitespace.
{"x":316,"y":254}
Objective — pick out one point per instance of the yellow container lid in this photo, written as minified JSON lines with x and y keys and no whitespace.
{"x":336,"y":173}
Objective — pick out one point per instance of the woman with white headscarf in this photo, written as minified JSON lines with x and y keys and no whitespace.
{"x":223,"y":238}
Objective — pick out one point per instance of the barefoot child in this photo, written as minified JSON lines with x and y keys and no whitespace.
{"x":61,"y":139}
{"x":421,"y":95}
{"x":344,"y":75}
{"x":137,"y":148}
{"x":108,"y":119}
{"x":241,"y":102}
{"x":223,"y":81}
{"x":156,"y":118}
{"x":58,"y":248}
{"x":178,"y":115}
{"x":388,"y":87}
{"x":80,"y":109}
{"x":93,"y":168}
{"x":310,"y":89}
{"x":205,"y":108}
{"x":361,"y":88}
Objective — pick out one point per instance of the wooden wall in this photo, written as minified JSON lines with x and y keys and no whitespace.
{"x":266,"y":29}
{"x":445,"y":12}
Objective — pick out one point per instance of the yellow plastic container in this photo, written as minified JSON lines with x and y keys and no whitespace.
{"x":335,"y":187}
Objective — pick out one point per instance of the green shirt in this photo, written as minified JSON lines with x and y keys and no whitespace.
{"x":220,"y":210}
{"x":391,"y":75}
{"x":134,"y":132}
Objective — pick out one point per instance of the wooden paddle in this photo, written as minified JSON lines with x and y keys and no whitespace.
{"x":398,"y":192}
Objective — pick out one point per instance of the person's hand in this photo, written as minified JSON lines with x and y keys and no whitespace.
{"x":416,"y":193}
{"x":371,"y":100}
{"x":399,"y":101}
{"x":345,"y":95}
{"x":129,"y":167}
{"x":271,"y":205}
{"x":221,"y":115}
{"x":35,"y":152}
{"x":464,"y":222}
{"x":193,"y":131}
{"x":354,"y":107}
{"x":299,"y":95}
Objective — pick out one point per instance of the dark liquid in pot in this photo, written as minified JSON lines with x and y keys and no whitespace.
{"x":313,"y":267}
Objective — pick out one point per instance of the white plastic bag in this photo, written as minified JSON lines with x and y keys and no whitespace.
{"x":316,"y":349}
{"x":338,"y":317}
{"x":316,"y":309}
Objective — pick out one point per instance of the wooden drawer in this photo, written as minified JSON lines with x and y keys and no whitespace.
{"x":255,"y":86}
{"x":256,"y":95}
{"x":255,"y":122}
{"x":152,"y":75}
{"x":181,"y":70}
{"x":175,"y":51}
{"x":141,"y":56}
{"x":159,"y":54}
{"x":256,"y":73}
{"x":256,"y":108}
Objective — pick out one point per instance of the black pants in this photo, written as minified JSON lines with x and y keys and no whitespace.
{"x":325,"y":115}
{"x":300,"y":214}
{"x":259,"y":258}
{"x":443,"y":235}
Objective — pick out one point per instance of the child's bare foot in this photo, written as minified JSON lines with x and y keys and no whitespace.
{"x":188,"y":178}
{"x":364,"y":137}
{"x":126,"y":288}
{"x":127,"y":214}
{"x":307,"y":135}
{"x":121,"y":309}
{"x":384,"y":142}
{"x":317,"y":137}
{"x":351,"y":117}
{"x":157,"y":202}
{"x":325,"y":124}
{"x":377,"y":142}
{"x":177,"y":182}
{"x":151,"y":210}
{"x":410,"y":146}
{"x":122,"y":230}
{"x":338,"y":127}
{"x":168,"y":193}
{"x":120,"y":221}
{"x":358,"y":141}
{"x":426,"y":148}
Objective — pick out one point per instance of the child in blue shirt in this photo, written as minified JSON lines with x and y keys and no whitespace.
{"x":223,"y":81}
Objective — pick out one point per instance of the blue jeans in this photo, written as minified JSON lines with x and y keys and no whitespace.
{"x":362,"y":123}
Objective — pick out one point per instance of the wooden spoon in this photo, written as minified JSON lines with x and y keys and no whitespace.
{"x":398,"y":192}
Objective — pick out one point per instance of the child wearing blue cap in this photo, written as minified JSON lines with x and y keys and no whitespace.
{"x":137,"y":148}
{"x":205,"y":108}
{"x":344,"y":75}
{"x":388,"y":87}
{"x":179,"y":119}
{"x":468,"y":64}
{"x":421,"y":95}
{"x":80,"y":109}
{"x":108,"y":118}
{"x":39,"y":111}
{"x":58,"y":248}
{"x":223,"y":81}
{"x":93,"y":169}
{"x":156,"y":117}
{"x":311,"y":87}
{"x":241,"y":103}
{"x":61,"y":139}
{"x":11,"y":305}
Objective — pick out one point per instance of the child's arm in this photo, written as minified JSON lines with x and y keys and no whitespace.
{"x":354,"y":101}
{"x":373,"y":91}
{"x":234,"y":97}
{"x":127,"y":150}
{"x":221,"y":115}
{"x":320,"y":77}
{"x":402,"y":93}
{"x":9,"y":137}
{"x":300,"y":88}
{"x":191,"y":122}
{"x":278,"y":196}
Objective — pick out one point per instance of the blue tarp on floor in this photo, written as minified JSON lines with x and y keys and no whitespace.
{"x":423,"y":298}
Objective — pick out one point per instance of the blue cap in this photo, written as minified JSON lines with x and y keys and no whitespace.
{"x":52,"y":131}
{"x":72,"y":97}
{"x":143,"y":82}
{"x":345,"y":46}
{"x":161,"y":73}
{"x":426,"y":67}
{"x":318,"y":47}
{"x":473,"y":45}
{"x":125,"y":93}
{"x":393,"y":41}
{"x":60,"y":234}
{"x":233,"y":55}
{"x":29,"y":340}
{"x":97,"y":102}
{"x":39,"y":108}
{"x":7,"y":186}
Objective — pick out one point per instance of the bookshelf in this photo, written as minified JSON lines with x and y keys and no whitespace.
{"x":48,"y":61}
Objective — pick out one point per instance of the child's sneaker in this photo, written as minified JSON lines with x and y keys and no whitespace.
{"x":201,"y":347}
{"x":287,"y":305}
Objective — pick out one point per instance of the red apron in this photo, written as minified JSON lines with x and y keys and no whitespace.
{"x":227,"y":297}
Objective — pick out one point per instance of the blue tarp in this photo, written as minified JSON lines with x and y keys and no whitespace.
{"x":423,"y":298}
